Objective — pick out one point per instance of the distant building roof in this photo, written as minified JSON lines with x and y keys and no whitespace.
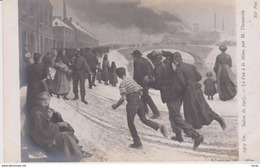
{"x":80,"y":28}
{"x":58,"y":23}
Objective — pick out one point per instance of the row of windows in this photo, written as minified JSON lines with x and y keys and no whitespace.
{"x":32,"y":9}
{"x":68,"y":33}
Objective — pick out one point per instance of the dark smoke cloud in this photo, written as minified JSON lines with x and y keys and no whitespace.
{"x":124,"y":14}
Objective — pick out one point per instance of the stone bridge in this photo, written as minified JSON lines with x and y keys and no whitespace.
{"x":199,"y":53}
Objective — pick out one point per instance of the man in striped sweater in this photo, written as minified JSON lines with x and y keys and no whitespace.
{"x":131,"y":92}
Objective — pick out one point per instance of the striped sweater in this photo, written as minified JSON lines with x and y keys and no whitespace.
{"x":128,"y":85}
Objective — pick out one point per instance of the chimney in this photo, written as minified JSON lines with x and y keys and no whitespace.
{"x":223,"y":24}
{"x":64,"y":9}
{"x":215,"y":21}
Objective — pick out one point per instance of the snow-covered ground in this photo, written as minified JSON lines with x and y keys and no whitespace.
{"x":104,"y":131}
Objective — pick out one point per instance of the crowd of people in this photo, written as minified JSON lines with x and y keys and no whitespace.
{"x":177,"y":85}
{"x":47,"y":128}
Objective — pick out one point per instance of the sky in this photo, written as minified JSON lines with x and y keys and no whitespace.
{"x":127,"y":21}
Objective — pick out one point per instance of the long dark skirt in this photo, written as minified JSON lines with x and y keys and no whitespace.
{"x":226,"y":83}
{"x":197,"y":112}
{"x":105,"y":74}
{"x":113,"y":78}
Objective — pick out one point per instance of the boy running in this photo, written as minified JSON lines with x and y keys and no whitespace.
{"x":131,"y":92}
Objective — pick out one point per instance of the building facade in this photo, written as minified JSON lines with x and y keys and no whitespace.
{"x":63,"y":35}
{"x":35,"y":28}
{"x":83,"y":38}
{"x":35,"y":25}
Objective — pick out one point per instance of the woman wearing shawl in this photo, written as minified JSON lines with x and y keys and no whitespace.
{"x":105,"y":69}
{"x":61,"y":82}
{"x":112,"y":75}
{"x":49,"y":131}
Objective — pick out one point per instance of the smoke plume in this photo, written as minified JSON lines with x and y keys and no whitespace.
{"x":124,"y":14}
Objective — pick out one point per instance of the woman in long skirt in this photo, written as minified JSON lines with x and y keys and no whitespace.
{"x":112,"y":75}
{"x":105,"y":69}
{"x":226,"y":82}
{"x":197,"y":111}
{"x":61,"y":82}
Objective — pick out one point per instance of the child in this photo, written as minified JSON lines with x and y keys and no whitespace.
{"x":131,"y":91}
{"x":112,"y":75}
{"x":99,"y":70}
{"x":210,"y":88}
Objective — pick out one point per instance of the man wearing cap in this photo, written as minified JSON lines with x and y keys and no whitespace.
{"x":197,"y":112}
{"x":142,"y":68}
{"x":171,"y":94}
{"x":80,"y":70}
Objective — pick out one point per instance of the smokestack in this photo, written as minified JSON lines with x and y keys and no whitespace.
{"x":223,"y":24}
{"x":64,"y":9}
{"x":215,"y":21}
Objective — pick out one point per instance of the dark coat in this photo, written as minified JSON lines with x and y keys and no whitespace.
{"x":112,"y":77}
{"x":105,"y":70}
{"x":42,"y":130}
{"x":45,"y":132}
{"x":210,"y":88}
{"x":197,"y":112}
{"x":226,"y":82}
{"x":92,"y":60}
{"x":36,"y":83}
{"x":187,"y":74}
{"x":142,"y":67}
{"x":165,"y":77}
{"x":80,"y":66}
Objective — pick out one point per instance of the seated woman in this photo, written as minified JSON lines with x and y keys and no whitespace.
{"x":48,"y":130}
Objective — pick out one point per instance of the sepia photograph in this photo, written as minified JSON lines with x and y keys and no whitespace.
{"x":128,"y":81}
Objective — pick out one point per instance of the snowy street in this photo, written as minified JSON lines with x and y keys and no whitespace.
{"x":104,"y":133}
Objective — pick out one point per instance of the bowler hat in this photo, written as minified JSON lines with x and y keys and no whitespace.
{"x":136,"y":53}
{"x":223,"y":47}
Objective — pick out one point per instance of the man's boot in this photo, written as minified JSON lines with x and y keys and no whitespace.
{"x":198,"y":139}
{"x":76,"y":97}
{"x":177,"y":137}
{"x":163,"y":131}
{"x":83,"y":100}
{"x":221,"y":122}
{"x":136,"y":145}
